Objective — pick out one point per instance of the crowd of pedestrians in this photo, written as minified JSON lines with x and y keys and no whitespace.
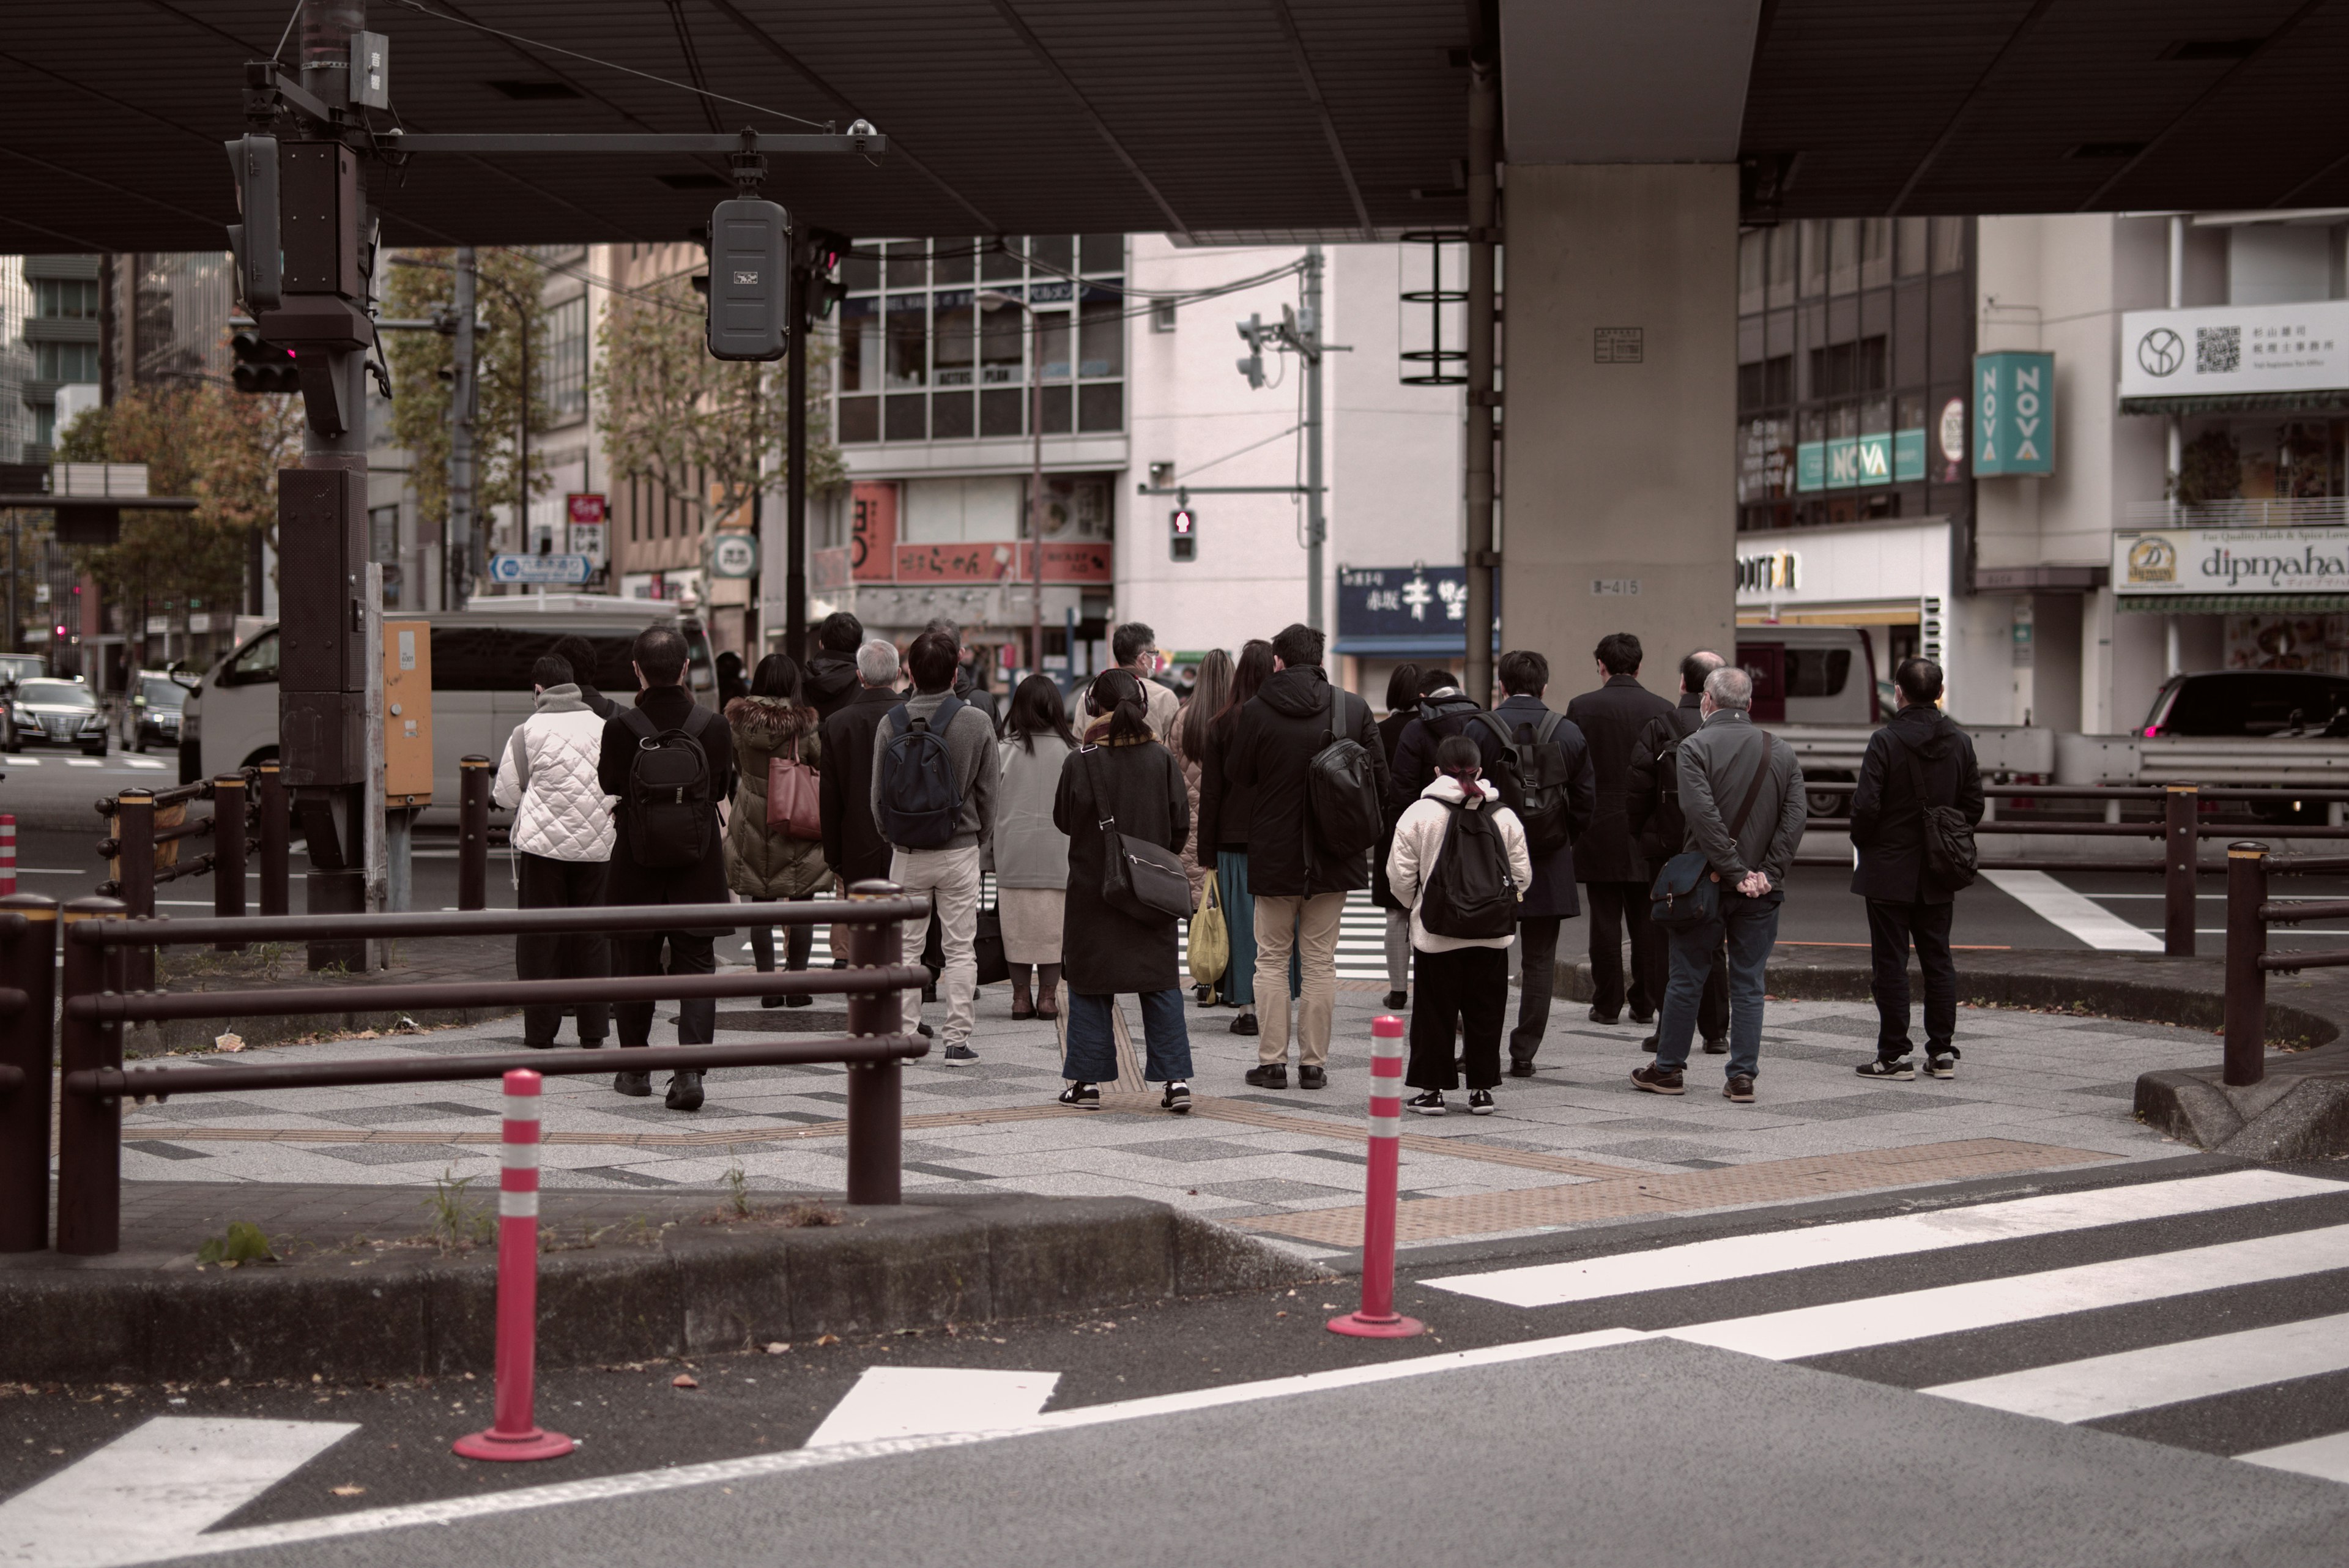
{"x":1263,"y":794}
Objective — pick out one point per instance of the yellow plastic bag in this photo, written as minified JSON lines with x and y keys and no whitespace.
{"x":1211,"y":941}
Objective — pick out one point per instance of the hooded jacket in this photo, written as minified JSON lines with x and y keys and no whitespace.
{"x":1442,"y":713}
{"x":1887,"y":818}
{"x":762,"y":863}
{"x":830,"y":683}
{"x":1273,"y":743}
{"x":546,"y":777}
{"x":1419,"y":843}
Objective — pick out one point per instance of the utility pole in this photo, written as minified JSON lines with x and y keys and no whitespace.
{"x":795,"y":445}
{"x":1483,"y":231}
{"x":459,"y":562}
{"x":1308,"y":339}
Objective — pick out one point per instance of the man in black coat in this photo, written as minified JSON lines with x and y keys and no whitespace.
{"x":1921,"y":758}
{"x":853,"y":845}
{"x":1298,"y":892}
{"x":1652,"y":808}
{"x":1525,"y":677}
{"x":664,"y":703}
{"x":832,"y":682}
{"x":1613,"y":871}
{"x":1443,"y":710}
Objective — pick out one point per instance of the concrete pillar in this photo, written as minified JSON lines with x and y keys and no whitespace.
{"x":1620,"y":410}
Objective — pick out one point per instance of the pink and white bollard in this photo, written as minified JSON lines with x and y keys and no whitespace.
{"x":1378,"y":1318}
{"x":513,"y":1434}
{"x":7,"y":856}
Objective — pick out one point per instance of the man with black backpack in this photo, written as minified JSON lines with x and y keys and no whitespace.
{"x":669,"y":761}
{"x":1538,"y":761}
{"x":1652,"y":807}
{"x":1311,"y":754}
{"x":1912,"y":816}
{"x":933,"y":795}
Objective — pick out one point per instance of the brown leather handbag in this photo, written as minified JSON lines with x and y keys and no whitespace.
{"x":794,"y":796}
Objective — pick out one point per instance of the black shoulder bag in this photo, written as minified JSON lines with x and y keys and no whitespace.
{"x":1144,"y":881}
{"x":1947,"y":837}
{"x":1687,"y":891}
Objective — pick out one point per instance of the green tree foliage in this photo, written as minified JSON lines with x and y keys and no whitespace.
{"x":508,"y":295}
{"x":701,"y":428}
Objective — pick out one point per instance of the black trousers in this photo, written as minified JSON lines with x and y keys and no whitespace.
{"x":1537,"y":980}
{"x":690,"y":953}
{"x":1466,"y":990}
{"x":1891,"y":928}
{"x":1613,"y":906}
{"x":551,"y":884}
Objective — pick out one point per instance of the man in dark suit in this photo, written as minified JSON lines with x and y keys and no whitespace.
{"x":1655,"y":807}
{"x":1613,"y":872}
{"x":1921,"y":758}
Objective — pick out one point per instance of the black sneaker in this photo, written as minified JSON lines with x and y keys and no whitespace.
{"x":1739,"y":1088}
{"x":799,"y":999}
{"x":1887,"y":1068}
{"x":1716,"y":1048}
{"x":1599,"y":1017}
{"x":1244,"y":1024}
{"x":958,"y":1055}
{"x":1177,"y":1098}
{"x":1521,"y":1066}
{"x":1643,"y":1019}
{"x":1429,"y":1103}
{"x":1648,"y":1044}
{"x":1311,"y":1077}
{"x":1083,"y":1096}
{"x":1268,"y":1075}
{"x":1480,"y":1101}
{"x":1941,"y":1064}
{"x":925,"y":1031}
{"x":1397,"y":1000}
{"x":1656,"y":1081}
{"x":637,"y":1085}
{"x":684,"y":1091}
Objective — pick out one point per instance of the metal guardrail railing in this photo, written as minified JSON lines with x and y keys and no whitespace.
{"x":2249,"y":913}
{"x":100,"y":936}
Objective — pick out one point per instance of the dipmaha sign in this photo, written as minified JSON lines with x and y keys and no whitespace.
{"x":2014,"y":413}
{"x":2197,"y":561}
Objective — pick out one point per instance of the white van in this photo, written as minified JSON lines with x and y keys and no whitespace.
{"x":482,"y":659}
{"x":1813,"y":674}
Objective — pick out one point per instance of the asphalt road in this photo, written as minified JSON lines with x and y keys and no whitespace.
{"x":1775,"y":1418}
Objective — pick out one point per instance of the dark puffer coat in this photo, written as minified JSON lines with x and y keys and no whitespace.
{"x":760,"y":864}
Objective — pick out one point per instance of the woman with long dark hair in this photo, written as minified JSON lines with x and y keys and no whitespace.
{"x":1031,"y":853}
{"x":1225,"y":810}
{"x":765,"y":864}
{"x":1402,"y":707}
{"x":1122,"y":775}
{"x":1211,"y":687}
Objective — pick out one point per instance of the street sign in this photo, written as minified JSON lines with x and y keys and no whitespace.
{"x":585,"y":512}
{"x":733,"y":556}
{"x":539,"y":569}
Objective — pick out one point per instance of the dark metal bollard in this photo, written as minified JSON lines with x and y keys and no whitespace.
{"x":276,"y":850}
{"x":2180,"y":850}
{"x":875,"y":1089}
{"x":134,"y":829}
{"x":472,"y":833}
{"x":228,"y":852}
{"x":2247,"y":983}
{"x":28,"y":954}
{"x":89,"y":1126}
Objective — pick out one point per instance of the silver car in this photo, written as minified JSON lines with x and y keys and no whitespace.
{"x":55,"y":712}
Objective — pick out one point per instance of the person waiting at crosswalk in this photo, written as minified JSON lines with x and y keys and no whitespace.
{"x":1459,"y":861}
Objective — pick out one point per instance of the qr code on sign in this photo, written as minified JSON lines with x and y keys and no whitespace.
{"x":2217,"y":350}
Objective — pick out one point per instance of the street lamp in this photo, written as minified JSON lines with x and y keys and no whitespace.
{"x":996,"y":300}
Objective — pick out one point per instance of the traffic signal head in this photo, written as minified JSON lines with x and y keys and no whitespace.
{"x":1254,"y":331}
{"x":749,"y":280}
{"x":263,"y":367}
{"x":259,"y":258}
{"x":1183,"y":534}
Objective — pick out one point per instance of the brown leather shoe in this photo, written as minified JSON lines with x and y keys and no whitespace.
{"x":1739,"y":1088}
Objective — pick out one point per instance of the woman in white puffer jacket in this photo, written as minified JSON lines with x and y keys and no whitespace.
{"x":562,"y":838}
{"x":1460,"y":980}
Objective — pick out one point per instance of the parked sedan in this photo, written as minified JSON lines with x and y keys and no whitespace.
{"x":56,"y":712}
{"x":150,"y":715}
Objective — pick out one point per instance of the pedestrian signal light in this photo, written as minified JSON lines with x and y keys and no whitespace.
{"x":263,"y":367}
{"x":1183,"y":534}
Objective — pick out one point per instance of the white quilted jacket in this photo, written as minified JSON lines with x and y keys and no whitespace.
{"x":547,"y":778}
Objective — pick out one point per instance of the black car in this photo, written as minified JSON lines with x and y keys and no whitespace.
{"x":2257,"y":703}
{"x":51,"y":712}
{"x":151,"y":714}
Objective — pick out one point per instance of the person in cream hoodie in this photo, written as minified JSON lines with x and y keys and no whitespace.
{"x":1461,"y":982}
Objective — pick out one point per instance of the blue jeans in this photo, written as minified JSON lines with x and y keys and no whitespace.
{"x":1237,"y":986}
{"x":1751,"y":928}
{"x":1092,"y":1047}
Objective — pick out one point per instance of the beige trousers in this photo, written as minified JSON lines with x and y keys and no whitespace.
{"x":1311,"y":925}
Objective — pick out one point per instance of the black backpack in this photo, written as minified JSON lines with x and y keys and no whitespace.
{"x":1669,"y":826}
{"x":1532,"y":777}
{"x":667,"y":805}
{"x":1471,"y":893}
{"x":1948,"y":839}
{"x":1341,"y":793}
{"x":921,"y":798}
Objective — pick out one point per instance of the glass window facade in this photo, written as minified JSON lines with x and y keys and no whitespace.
{"x":923,"y":357}
{"x":566,"y":359}
{"x":1855,"y":339}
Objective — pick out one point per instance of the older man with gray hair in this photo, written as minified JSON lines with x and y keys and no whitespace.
{"x":1742,"y":796}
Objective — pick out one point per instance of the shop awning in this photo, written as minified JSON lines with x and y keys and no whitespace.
{"x":2234,"y":603}
{"x":2309,"y":402}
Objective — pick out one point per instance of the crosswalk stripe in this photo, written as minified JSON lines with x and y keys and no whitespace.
{"x":2103,"y":1386}
{"x":1738,"y":1257}
{"x":2077,"y":913}
{"x":2325,"y":1458}
{"x":1803,"y":1332}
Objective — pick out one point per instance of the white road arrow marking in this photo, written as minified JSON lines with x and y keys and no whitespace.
{"x":922,"y":1401}
{"x":152,"y":1492}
